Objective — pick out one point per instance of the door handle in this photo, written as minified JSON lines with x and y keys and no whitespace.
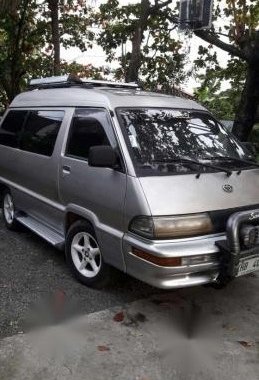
{"x":66,"y":169}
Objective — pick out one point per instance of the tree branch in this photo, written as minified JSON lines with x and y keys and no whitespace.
{"x":158,"y":6}
{"x":212,"y":38}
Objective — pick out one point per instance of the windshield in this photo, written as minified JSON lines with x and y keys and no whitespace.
{"x":158,"y":137}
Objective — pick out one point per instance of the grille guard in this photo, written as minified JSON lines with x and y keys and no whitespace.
{"x":230,"y":249}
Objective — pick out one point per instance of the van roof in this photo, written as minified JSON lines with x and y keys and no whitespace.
{"x":105,"y":97}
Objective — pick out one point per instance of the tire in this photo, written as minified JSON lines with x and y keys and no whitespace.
{"x":9,"y":211}
{"x":84,"y":256}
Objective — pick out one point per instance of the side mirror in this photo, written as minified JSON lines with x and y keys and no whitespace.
{"x":102,"y":156}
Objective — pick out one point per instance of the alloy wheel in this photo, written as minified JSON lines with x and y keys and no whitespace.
{"x":86,"y":254}
{"x":8,"y":208}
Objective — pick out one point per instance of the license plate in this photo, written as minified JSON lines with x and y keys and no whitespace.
{"x":248,"y":266}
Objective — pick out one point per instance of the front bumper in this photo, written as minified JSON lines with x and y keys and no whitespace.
{"x":173,"y":277}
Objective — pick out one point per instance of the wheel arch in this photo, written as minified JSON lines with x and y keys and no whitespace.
{"x":109,"y":239}
{"x":3,"y":188}
{"x":73,"y":216}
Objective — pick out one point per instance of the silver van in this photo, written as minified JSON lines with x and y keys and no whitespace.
{"x":150,"y":184}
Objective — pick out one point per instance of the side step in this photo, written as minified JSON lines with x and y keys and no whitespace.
{"x":47,"y":233}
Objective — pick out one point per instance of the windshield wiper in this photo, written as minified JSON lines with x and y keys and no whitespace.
{"x":191,"y":161}
{"x":241,"y":160}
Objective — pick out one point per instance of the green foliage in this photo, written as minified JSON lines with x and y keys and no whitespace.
{"x":242,"y":18}
{"x":26,"y":48}
{"x":162,"y":55}
{"x":74,"y":22}
{"x":235,"y":30}
{"x":20,"y":42}
{"x":222,"y":103}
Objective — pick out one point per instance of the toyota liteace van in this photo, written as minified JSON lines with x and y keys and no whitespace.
{"x":150,"y":184}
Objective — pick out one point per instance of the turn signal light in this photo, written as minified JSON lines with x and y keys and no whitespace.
{"x":161,"y":261}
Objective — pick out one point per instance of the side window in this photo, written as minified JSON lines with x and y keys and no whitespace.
{"x":87,"y":130}
{"x":40,"y":131}
{"x":11,"y":128}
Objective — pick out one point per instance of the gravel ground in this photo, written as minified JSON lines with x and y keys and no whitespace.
{"x":35,"y":283}
{"x":37,"y":289}
{"x":192,"y":334}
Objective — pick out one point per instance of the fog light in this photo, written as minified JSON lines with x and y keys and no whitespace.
{"x":162,"y":261}
{"x":198,"y":259}
{"x":249,"y":235}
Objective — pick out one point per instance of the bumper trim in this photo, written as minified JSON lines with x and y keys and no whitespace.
{"x":174,"y":276}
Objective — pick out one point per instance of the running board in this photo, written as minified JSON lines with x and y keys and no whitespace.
{"x":42,"y":230}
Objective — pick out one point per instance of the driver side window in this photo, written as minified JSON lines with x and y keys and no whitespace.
{"x":87,"y":130}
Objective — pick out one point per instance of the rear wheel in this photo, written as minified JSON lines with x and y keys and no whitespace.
{"x":84,"y":256}
{"x":9,"y":211}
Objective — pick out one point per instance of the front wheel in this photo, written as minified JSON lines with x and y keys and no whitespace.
{"x":9,"y":211}
{"x":84,"y":256}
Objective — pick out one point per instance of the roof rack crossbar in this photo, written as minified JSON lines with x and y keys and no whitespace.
{"x":74,"y":80}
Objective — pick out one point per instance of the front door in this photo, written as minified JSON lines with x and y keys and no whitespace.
{"x":98,"y":191}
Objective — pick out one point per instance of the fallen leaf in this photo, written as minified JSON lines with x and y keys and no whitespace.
{"x":103,"y":348}
{"x":245,"y":344}
{"x":119,"y":317}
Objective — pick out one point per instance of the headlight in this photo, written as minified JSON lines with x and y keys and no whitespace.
{"x":165,"y":227}
{"x":142,"y":225}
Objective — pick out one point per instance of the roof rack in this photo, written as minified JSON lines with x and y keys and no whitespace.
{"x":55,"y":81}
{"x":73,"y":80}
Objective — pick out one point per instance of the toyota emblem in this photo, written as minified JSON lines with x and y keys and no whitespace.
{"x":227,"y":188}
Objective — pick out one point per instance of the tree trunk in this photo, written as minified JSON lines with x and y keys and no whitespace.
{"x":138,"y":35}
{"x":246,"y":113}
{"x":135,"y":60}
{"x":53,"y":6}
{"x":8,"y":5}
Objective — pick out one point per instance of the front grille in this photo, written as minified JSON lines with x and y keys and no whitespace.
{"x":219,"y":218}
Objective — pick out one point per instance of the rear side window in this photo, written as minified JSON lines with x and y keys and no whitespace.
{"x":11,"y":128}
{"x":87,"y":130}
{"x":40,"y":131}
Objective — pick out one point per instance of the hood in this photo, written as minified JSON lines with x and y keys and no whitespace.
{"x":184,"y":194}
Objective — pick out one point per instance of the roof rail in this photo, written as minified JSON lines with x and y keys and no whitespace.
{"x":73,"y":80}
{"x":105,"y":83}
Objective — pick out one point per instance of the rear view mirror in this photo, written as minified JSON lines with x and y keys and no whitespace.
{"x":102,"y":156}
